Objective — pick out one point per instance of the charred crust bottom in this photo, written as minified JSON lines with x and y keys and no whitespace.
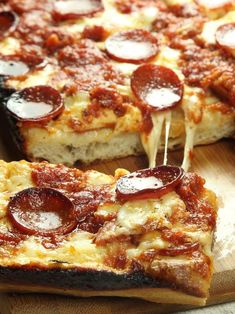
{"x":81,"y":279}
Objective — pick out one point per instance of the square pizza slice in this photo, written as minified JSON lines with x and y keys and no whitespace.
{"x":146,"y":234}
{"x":105,"y":79}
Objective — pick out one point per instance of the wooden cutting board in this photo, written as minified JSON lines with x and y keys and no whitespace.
{"x":214,"y":162}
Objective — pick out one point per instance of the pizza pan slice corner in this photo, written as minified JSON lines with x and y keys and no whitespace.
{"x":146,"y":234}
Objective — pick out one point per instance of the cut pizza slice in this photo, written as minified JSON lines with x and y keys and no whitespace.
{"x":146,"y":234}
{"x":72,"y":76}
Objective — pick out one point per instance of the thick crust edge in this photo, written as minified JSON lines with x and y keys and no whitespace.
{"x":157,"y":295}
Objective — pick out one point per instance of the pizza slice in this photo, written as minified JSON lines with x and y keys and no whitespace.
{"x":112,"y":78}
{"x":146,"y":234}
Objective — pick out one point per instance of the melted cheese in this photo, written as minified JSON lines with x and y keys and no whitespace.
{"x":133,"y":215}
{"x":190,"y":129}
{"x":9,"y":46}
{"x":62,"y":132}
{"x":41,"y":77}
{"x":192,"y":106}
{"x":167,"y":132}
{"x":81,"y":249}
{"x":151,"y":141}
{"x":78,"y":250}
{"x":112,"y":20}
{"x":210,"y":28}
{"x":150,"y":241}
{"x":173,"y":2}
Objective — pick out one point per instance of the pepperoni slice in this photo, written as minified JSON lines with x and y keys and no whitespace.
{"x":36,"y":104}
{"x":185,"y":249}
{"x":225,"y":36}
{"x":148,"y":183}
{"x":13,"y":68}
{"x":134,"y":46}
{"x":214,"y":4}
{"x":8,"y":21}
{"x":73,"y":9}
{"x":42,"y":211}
{"x":156,"y":86}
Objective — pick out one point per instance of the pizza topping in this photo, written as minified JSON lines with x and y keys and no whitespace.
{"x":73,"y":9}
{"x":72,"y":182}
{"x":179,"y":23}
{"x":21,"y":62}
{"x":148,"y":183}
{"x":151,"y":140}
{"x":81,"y":54}
{"x":108,"y":98}
{"x":86,"y":67}
{"x":13,"y":68}
{"x":86,"y":203}
{"x":8,"y":21}
{"x":126,"y":7}
{"x":225,"y":36}
{"x":57,"y":39}
{"x":94,"y":32}
{"x":209,"y":68}
{"x":33,"y":27}
{"x":134,"y":46}
{"x":201,"y":212}
{"x":35,"y":104}
{"x":214,"y":4}
{"x":21,"y":6}
{"x":57,"y":177}
{"x":187,"y":248}
{"x":42,"y":211}
{"x":185,"y":10}
{"x":157,"y":87}
{"x":11,"y":237}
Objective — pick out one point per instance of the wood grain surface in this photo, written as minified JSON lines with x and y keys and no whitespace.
{"x":214,"y":162}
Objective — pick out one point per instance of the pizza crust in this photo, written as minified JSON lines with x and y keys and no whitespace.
{"x":81,"y":266}
{"x":158,"y":295}
{"x":106,"y":143}
{"x":80,"y":135}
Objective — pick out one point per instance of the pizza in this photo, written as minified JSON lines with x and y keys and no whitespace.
{"x":92,"y":80}
{"x":146,"y":234}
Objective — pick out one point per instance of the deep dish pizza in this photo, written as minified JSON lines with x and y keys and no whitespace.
{"x":91,"y":79}
{"x":146,"y":234}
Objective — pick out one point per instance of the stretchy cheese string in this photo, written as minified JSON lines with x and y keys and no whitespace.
{"x":167,"y":132}
{"x":190,"y":129}
{"x":152,"y":140}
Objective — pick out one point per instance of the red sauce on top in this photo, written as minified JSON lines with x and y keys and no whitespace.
{"x":126,"y":7}
{"x":209,"y":68}
{"x":106,"y":98}
{"x":33,"y":27}
{"x":95,"y":32}
{"x":86,"y":67}
{"x":179,"y":22}
{"x":177,"y":238}
{"x":72,"y":182}
{"x":11,"y":237}
{"x":201,"y":212}
{"x":57,"y":177}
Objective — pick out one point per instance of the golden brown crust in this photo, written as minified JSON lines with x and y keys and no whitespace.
{"x":158,"y":295}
